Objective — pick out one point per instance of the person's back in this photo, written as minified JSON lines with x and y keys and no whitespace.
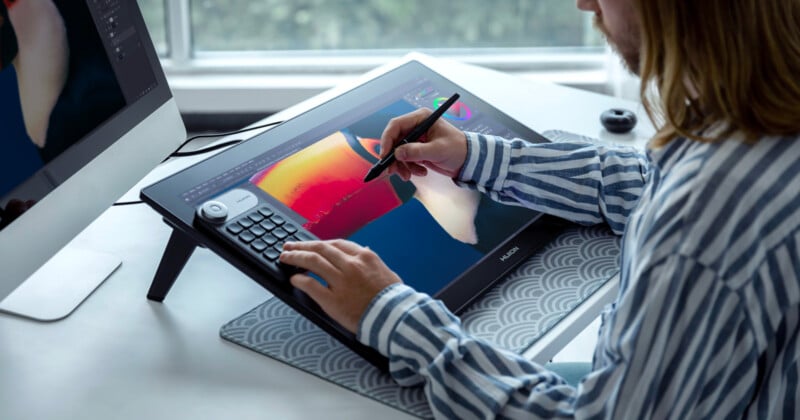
{"x":708,"y":316}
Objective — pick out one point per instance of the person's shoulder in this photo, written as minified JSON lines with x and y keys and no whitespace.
{"x":740,"y":201}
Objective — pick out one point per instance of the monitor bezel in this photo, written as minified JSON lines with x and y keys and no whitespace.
{"x":92,"y":174}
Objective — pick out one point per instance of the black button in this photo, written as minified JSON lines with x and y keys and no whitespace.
{"x":268,"y":225}
{"x":269,"y":239}
{"x":258,"y":230}
{"x":259,"y":245}
{"x":265,"y":211}
{"x":247,"y":237}
{"x":235,"y":228}
{"x":255,"y":217}
{"x":280,"y":233}
{"x":272,"y":254}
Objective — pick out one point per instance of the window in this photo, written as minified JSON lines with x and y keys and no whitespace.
{"x":273,"y":53}
{"x":326,"y":25}
{"x":155,"y":18}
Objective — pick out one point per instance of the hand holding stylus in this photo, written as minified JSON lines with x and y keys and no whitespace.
{"x":442,"y":148}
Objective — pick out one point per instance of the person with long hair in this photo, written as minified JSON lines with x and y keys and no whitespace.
{"x":707,"y":320}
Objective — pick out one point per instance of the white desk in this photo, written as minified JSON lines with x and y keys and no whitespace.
{"x":121,"y":356}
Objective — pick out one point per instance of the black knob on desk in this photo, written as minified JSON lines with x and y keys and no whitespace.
{"x":618,"y":120}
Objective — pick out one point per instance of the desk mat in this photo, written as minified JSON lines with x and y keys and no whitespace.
{"x":513,"y":315}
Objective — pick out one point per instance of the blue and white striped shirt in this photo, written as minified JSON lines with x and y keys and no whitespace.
{"x":707,"y":318}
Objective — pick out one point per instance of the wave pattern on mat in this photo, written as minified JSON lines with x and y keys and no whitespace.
{"x":513,"y":314}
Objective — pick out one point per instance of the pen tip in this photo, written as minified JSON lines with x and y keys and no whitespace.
{"x":370,"y":175}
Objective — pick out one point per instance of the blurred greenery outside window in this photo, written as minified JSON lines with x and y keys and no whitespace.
{"x":155,"y":17}
{"x":256,"y":56}
{"x":291,"y":28}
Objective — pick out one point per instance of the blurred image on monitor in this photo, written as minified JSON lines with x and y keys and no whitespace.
{"x":85,"y":113}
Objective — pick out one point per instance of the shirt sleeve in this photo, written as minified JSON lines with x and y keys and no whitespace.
{"x":661,"y":354}
{"x":581,"y":182}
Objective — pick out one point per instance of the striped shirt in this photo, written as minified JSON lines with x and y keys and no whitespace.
{"x":707,"y":317}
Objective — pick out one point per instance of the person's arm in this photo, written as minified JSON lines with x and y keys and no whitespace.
{"x":581,"y":182}
{"x":664,"y":352}
{"x":678,"y":343}
{"x":41,"y":62}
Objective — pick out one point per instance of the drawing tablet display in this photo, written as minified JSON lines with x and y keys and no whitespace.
{"x":304,"y":180}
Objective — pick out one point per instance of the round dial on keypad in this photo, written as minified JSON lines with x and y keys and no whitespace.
{"x":214,"y":211}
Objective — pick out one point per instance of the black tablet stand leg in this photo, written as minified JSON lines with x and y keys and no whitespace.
{"x":179,"y":249}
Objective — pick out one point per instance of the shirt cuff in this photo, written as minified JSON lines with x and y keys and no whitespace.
{"x":486,"y":155}
{"x":383,"y":314}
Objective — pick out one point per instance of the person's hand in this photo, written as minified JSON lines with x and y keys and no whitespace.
{"x":442,"y":149}
{"x":354,"y":275}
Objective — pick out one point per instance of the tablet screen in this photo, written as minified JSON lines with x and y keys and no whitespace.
{"x":425,"y":229}
{"x":428,"y":230}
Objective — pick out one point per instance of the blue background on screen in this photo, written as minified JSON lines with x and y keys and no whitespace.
{"x":412,"y":244}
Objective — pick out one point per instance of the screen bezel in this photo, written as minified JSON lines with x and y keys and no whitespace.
{"x":164,"y":196}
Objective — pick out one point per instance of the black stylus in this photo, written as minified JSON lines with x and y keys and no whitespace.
{"x":413,"y":136}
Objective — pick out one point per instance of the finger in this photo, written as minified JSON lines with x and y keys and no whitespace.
{"x":332,"y":255}
{"x":421,"y":152}
{"x":418,"y":170}
{"x":310,"y":286}
{"x":300,"y":245}
{"x":348,"y":247}
{"x":309,"y":260}
{"x":398,"y":127}
{"x":402,"y":170}
{"x":413,"y":167}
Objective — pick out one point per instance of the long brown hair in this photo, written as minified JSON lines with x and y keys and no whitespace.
{"x":735,"y":62}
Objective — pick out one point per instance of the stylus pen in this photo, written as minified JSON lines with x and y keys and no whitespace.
{"x":413,"y":136}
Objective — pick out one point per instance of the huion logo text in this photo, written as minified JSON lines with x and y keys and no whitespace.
{"x":508,"y":254}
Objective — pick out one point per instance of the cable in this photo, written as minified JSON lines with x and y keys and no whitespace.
{"x":178,"y":153}
{"x":127,"y":203}
{"x":205,"y":149}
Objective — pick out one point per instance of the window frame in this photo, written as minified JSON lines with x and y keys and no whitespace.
{"x":266,"y":82}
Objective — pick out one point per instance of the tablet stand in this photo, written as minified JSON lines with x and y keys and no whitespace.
{"x":179,"y":248}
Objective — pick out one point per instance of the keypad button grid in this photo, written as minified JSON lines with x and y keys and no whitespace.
{"x":262,"y":232}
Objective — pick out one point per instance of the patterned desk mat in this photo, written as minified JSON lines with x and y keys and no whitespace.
{"x":513,"y":315}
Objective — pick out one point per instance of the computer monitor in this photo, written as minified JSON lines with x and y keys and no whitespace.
{"x":85,"y":113}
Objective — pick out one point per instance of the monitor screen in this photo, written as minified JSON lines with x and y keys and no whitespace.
{"x":75,"y":77}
